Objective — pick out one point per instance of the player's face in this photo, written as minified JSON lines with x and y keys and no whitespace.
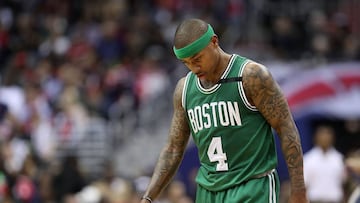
{"x":203,"y":64}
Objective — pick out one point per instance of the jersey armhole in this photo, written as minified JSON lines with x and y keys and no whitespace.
{"x":183,"y":96}
{"x":242,"y":91}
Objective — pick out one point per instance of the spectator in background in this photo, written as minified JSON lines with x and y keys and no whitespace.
{"x":5,"y":124}
{"x":353,"y":165}
{"x":324,"y":169}
{"x":176,"y":192}
{"x":70,"y":179}
{"x":25,"y":188}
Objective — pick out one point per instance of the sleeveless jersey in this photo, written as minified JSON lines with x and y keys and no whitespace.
{"x":235,"y":143}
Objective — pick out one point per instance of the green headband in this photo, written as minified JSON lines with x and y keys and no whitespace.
{"x":196,"y":46}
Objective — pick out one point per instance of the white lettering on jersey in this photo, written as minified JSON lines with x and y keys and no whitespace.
{"x":207,"y":115}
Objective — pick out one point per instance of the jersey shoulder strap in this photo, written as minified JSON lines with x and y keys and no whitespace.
{"x":186,"y":85}
{"x":239,"y":62}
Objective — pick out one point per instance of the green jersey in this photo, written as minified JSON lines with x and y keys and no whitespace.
{"x":235,"y":143}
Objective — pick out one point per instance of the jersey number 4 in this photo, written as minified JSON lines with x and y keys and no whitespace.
{"x":216,"y":154}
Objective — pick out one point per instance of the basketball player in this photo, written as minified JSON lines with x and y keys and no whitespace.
{"x":228,"y":104}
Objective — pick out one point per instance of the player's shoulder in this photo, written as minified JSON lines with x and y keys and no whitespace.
{"x":178,"y":92}
{"x":255,"y":72}
{"x":255,"y":69}
{"x":256,"y":78}
{"x":180,"y":84}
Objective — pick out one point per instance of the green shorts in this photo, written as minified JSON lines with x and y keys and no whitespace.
{"x":258,"y":190}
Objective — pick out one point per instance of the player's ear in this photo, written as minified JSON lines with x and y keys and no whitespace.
{"x":215,"y":40}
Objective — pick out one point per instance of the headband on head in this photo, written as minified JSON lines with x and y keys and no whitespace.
{"x":196,"y":46}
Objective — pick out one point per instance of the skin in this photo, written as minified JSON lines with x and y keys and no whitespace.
{"x":324,"y":137}
{"x":261,"y":90}
{"x":265,"y":94}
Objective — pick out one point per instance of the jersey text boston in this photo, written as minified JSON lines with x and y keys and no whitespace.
{"x":209,"y":114}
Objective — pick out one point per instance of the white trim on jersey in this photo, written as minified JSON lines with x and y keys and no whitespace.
{"x":215,"y":87}
{"x":186,"y":84}
{"x":272,"y":188}
{"x":242,"y":92}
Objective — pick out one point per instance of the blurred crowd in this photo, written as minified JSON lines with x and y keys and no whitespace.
{"x":65,"y":65}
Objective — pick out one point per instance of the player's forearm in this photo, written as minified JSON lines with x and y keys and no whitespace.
{"x":165,"y":169}
{"x":292,"y":151}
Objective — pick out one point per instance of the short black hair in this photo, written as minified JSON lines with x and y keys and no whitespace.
{"x":188,"y":31}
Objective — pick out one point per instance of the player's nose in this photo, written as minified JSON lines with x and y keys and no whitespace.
{"x":194,"y":68}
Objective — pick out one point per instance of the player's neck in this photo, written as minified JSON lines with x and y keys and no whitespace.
{"x":220,"y":67}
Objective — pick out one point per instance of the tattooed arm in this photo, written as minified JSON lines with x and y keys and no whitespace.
{"x":263,"y":92}
{"x":172,"y":153}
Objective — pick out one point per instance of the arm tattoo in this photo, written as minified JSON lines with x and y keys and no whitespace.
{"x":265,"y":94}
{"x":172,"y":154}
